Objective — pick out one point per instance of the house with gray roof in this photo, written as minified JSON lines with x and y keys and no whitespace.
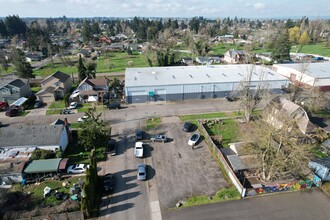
{"x":50,"y":137}
{"x":13,"y":88}
{"x":235,"y":56}
{"x":54,"y":87}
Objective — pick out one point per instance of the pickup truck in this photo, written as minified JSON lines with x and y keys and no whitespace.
{"x":138,"y":150}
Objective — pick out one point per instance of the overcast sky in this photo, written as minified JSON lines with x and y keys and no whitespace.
{"x":165,"y":8}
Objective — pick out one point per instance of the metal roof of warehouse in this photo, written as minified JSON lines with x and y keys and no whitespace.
{"x":316,"y":70}
{"x":156,"y":76}
{"x":43,"y":166}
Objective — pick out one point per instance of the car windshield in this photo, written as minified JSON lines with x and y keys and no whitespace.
{"x":138,"y":148}
{"x":141,"y":173}
{"x":194,"y":137}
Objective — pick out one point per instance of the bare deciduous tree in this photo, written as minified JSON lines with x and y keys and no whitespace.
{"x":275,"y":146}
{"x":252,"y":91}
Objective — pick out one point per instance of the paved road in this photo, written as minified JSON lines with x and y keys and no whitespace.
{"x":136,"y":112}
{"x":130,"y":199}
{"x":299,"y":205}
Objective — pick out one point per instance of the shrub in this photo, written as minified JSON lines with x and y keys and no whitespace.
{"x":42,"y":154}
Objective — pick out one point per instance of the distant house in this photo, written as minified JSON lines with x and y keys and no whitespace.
{"x":282,"y":109}
{"x":208,"y":60}
{"x":91,"y":90}
{"x":13,"y":88}
{"x":229,"y":38}
{"x":104,"y":39}
{"x":84,"y":53}
{"x":234,"y":56}
{"x":321,"y":168}
{"x":187,"y":61}
{"x":264,"y":56}
{"x":34,"y":56}
{"x":54,"y":87}
{"x":115,"y":47}
{"x":50,"y":137}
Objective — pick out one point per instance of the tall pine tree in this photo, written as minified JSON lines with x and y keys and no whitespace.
{"x":281,"y":47}
{"x":23,"y":68}
{"x":81,"y":69}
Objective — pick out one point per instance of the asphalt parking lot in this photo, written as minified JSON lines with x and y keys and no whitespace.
{"x":182,"y":171}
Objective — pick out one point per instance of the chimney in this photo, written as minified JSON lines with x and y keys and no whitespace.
{"x":66,"y":121}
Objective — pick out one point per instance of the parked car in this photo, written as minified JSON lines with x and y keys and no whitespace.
{"x":3,"y":106}
{"x":158,"y":138}
{"x":138,"y":135}
{"x":194,"y":139}
{"x":112,"y":147}
{"x":141,"y":172}
{"x":77,"y":168}
{"x":187,"y":126}
{"x":83,"y":118}
{"x":109,"y":183}
{"x":231,"y":98}
{"x":12,"y":112}
{"x":114,"y":105}
{"x":73,"y":105}
{"x":138,"y":149}
{"x":38,"y":104}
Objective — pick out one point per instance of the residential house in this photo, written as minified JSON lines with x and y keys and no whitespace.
{"x":11,"y":172}
{"x":321,"y":168}
{"x":91,"y":90}
{"x":207,"y":60}
{"x":84,"y":53}
{"x":280,"y":110}
{"x":115,"y":47}
{"x":34,"y":56}
{"x":50,"y":137}
{"x":54,"y":87}
{"x":229,"y":38}
{"x":104,"y":39}
{"x":187,"y":61}
{"x":13,"y":88}
{"x":234,"y":56}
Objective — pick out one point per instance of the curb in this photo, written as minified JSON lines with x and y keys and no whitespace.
{"x":156,"y":213}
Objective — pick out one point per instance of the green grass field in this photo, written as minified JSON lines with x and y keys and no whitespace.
{"x":319,"y":49}
{"x":108,"y":62}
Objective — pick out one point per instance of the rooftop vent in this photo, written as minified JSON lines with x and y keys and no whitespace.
{"x":240,"y":74}
{"x":224,"y":75}
{"x":208,"y":75}
{"x":271,"y":73}
{"x":173,"y":76}
{"x":191,"y":76}
{"x":135,"y":78}
{"x":153,"y":72}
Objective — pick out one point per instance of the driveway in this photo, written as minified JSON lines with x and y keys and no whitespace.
{"x":180,"y":170}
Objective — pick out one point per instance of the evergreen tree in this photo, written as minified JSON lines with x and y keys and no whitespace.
{"x":15,"y":25}
{"x":281,"y":47}
{"x":91,"y":68}
{"x":3,"y":29}
{"x":92,"y":187}
{"x":81,"y":69}
{"x":23,"y":69}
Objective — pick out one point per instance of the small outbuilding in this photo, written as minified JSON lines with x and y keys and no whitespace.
{"x":321,"y":168}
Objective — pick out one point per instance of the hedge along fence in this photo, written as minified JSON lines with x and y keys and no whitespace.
{"x":222,"y":159}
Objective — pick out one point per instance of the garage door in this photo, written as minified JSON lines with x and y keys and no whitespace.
{"x":137,"y":96}
{"x":160,"y":95}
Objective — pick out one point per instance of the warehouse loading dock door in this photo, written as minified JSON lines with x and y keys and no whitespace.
{"x":160,"y":95}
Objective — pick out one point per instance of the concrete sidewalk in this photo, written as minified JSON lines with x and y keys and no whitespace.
{"x":153,"y":195}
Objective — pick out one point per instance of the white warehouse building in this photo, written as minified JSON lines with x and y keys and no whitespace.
{"x":194,"y":82}
{"x":310,"y":74}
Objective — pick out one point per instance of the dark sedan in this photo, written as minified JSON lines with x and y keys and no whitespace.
{"x":112,"y":147}
{"x":187,"y":126}
{"x":109,"y":183}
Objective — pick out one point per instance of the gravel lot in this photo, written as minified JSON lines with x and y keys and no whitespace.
{"x":182,"y":171}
